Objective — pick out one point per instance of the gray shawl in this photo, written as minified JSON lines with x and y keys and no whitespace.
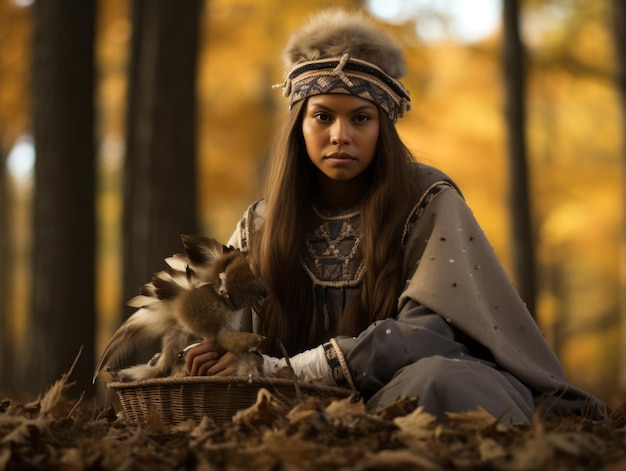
{"x":452,"y":270}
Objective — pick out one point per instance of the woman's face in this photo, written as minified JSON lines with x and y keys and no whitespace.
{"x":340,"y":133}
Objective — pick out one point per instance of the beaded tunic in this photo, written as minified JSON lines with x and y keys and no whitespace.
{"x":333,"y":260}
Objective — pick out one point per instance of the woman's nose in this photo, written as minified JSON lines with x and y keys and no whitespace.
{"x":340,"y":132}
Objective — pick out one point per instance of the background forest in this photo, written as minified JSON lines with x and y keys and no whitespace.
{"x":166,"y":132}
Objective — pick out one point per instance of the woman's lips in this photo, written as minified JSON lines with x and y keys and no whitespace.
{"x":340,"y":157}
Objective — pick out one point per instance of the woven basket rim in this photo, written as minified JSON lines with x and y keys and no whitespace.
{"x":213,"y":380}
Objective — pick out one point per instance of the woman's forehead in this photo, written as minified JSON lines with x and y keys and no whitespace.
{"x":336,"y":101}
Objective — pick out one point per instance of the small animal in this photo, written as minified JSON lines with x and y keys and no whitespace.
{"x":196,"y":297}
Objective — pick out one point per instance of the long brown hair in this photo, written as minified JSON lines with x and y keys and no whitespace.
{"x":290,"y":189}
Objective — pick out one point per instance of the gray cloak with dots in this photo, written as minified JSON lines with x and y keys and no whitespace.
{"x":462,"y":338}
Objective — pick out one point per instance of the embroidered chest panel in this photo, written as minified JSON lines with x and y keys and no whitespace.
{"x":332,"y":255}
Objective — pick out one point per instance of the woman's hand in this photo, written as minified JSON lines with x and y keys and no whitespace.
{"x":208,"y":359}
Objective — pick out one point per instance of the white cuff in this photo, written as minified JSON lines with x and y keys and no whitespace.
{"x":310,"y":365}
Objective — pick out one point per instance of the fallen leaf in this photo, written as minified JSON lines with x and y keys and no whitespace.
{"x":402,"y":406}
{"x":490,"y":450}
{"x":398,"y":459}
{"x":54,"y":395}
{"x":417,"y":425}
{"x":576,"y":444}
{"x":281,"y":451}
{"x":5,"y":456}
{"x":264,"y":411}
{"x":339,"y":408}
{"x":27,"y":431}
{"x":476,"y":419}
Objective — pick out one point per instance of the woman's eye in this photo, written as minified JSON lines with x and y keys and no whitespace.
{"x":362,"y":118}
{"x":322,"y":117}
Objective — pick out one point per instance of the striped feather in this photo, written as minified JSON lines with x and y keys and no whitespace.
{"x":202,"y":250}
{"x":139,"y":330}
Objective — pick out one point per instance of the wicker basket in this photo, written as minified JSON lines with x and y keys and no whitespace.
{"x":177,"y":399}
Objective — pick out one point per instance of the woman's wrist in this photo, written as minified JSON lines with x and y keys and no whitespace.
{"x":310,"y":365}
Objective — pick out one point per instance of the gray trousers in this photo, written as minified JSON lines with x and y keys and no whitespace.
{"x":452,"y":385}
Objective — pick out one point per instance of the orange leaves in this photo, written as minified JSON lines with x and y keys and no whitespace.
{"x":15,"y":35}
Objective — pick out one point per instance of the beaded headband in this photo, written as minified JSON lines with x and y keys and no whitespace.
{"x":348,"y":76}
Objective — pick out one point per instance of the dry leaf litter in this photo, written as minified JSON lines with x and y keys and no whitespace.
{"x":341,"y":434}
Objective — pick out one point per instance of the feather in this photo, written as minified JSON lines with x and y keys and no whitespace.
{"x":202,"y":250}
{"x":141,"y":301}
{"x":147,"y":290}
{"x":168,"y":287}
{"x":194,"y":297}
{"x":178,"y":262}
{"x":140,"y":329}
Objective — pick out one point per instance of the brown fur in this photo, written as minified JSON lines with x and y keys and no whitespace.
{"x":334,"y":32}
{"x":194,"y":298}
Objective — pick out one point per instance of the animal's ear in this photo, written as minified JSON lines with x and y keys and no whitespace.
{"x":200,"y":249}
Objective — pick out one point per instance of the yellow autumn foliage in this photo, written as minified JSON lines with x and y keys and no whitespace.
{"x":457,"y":124}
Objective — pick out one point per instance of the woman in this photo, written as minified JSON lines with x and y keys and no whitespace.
{"x":379,"y":277}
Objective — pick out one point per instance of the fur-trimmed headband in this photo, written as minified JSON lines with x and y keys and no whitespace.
{"x":340,"y":52}
{"x":347,"y":76}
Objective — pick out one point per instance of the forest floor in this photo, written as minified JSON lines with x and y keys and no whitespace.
{"x":53,"y":432}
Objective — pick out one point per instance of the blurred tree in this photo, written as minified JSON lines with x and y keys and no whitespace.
{"x":6,"y":345}
{"x":160,"y":167}
{"x":14,"y":55}
{"x":619,"y":34}
{"x":522,"y":232}
{"x":63,"y":311}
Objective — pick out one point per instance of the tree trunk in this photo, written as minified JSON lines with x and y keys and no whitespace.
{"x":63,"y":312}
{"x":160,"y":168}
{"x":619,"y":30}
{"x":522,"y":232}
{"x":6,"y":344}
